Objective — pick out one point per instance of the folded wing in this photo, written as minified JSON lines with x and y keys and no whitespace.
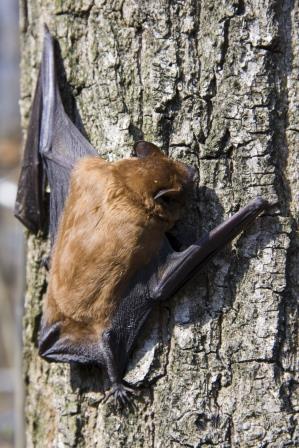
{"x":53,"y":146}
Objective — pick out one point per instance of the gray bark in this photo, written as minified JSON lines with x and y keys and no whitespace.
{"x":212,"y":83}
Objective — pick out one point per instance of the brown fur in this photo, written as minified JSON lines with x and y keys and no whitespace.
{"x":111,"y":227}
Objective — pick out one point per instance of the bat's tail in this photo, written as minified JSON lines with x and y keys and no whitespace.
{"x":182,"y":265}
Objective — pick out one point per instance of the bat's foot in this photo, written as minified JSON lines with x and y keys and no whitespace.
{"x":122,"y":395}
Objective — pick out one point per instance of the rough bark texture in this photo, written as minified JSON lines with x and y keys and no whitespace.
{"x":213,"y":83}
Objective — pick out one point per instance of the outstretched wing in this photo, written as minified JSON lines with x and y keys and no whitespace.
{"x":53,"y":146}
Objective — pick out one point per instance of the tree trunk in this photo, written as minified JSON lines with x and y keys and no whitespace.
{"x":214,"y":84}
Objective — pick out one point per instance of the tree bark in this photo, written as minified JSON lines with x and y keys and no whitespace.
{"x":213,"y":84}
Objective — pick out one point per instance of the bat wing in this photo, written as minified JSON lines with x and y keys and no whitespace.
{"x":53,"y":146}
{"x":161,"y":278}
{"x":30,"y":194}
{"x":166,"y":274}
{"x":179,"y":267}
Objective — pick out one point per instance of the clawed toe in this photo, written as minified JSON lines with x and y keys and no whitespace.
{"x":122,"y":395}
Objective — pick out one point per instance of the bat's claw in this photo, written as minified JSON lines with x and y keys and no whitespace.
{"x":122,"y":395}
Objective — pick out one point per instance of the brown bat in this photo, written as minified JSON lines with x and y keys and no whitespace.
{"x":113,"y":224}
{"x":111,"y":258}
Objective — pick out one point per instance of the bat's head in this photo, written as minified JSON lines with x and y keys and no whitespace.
{"x":160,"y":183}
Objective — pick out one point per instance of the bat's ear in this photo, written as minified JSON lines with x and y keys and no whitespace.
{"x":143,"y":149}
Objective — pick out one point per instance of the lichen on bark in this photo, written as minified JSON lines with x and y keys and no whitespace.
{"x":214,"y":84}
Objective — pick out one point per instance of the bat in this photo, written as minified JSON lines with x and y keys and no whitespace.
{"x":111,"y":258}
